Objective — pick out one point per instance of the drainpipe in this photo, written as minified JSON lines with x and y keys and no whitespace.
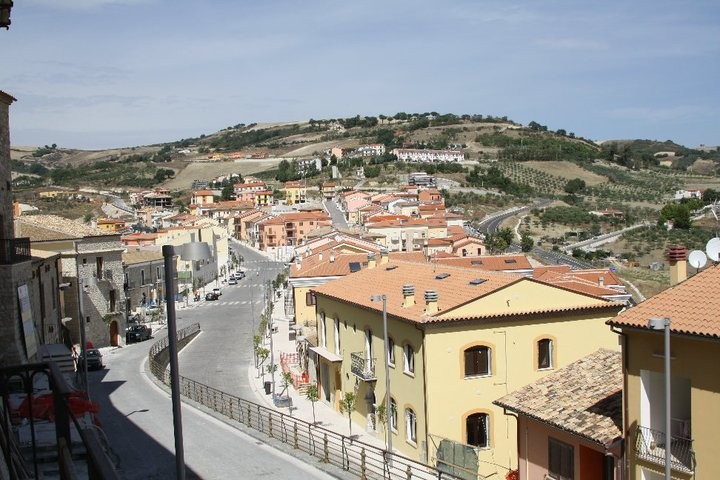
{"x":623,"y":446}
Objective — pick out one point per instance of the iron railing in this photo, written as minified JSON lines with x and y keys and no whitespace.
{"x":40,"y":436}
{"x":14,"y":250}
{"x":650,"y":445}
{"x":362,"y":367}
{"x":354,"y":456}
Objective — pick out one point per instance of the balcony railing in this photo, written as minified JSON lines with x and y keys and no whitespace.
{"x":650,"y":445}
{"x":362,"y":367}
{"x":47,"y":429}
{"x":14,"y":250}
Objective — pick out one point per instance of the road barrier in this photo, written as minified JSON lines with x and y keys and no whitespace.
{"x":366,"y":461}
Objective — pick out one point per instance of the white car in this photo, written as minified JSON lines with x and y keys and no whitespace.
{"x":232,"y":281}
{"x":217,"y":292}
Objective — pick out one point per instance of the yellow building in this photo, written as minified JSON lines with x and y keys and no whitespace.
{"x":692,"y":306}
{"x":295,"y":192}
{"x":466,"y":338}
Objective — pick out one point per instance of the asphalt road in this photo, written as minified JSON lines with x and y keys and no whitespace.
{"x":136,"y":414}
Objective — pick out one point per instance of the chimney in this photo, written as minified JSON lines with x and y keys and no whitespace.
{"x":298,"y":262}
{"x":408,"y":295}
{"x":677,"y":256}
{"x":332,"y":256}
{"x":431,"y":302}
{"x":383,"y":256}
{"x":371,"y":260}
{"x":601,"y":281}
{"x":320,"y":256}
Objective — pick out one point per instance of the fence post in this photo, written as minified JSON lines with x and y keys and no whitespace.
{"x":408,"y":473}
{"x":362,"y":464}
{"x":270,"y":434}
{"x":249,"y":420}
{"x":295,"y":437}
{"x":326,"y":452}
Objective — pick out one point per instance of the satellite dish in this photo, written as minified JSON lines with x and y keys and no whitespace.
{"x":713,"y":249}
{"x":338,"y":237}
{"x":697,"y":259}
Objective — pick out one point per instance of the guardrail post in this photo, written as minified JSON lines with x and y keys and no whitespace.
{"x":408,"y":473}
{"x":270,"y":434}
{"x":295,"y":436}
{"x":326,"y":450}
{"x":249,"y":422}
{"x":362,"y":464}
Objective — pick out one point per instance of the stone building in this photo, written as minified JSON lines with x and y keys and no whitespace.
{"x":93,"y":256}
{"x":144,"y":274}
{"x":17,"y":328}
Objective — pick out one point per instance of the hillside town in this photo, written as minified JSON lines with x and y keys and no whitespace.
{"x":397,"y":316}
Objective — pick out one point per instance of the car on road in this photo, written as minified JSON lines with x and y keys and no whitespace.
{"x":232,"y":281}
{"x":217,"y":292}
{"x":138,"y":333}
{"x":94,"y":359}
{"x":211,"y":296}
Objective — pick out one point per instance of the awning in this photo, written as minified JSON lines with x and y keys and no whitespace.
{"x":326,"y":354}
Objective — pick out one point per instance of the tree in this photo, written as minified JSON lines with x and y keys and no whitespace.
{"x":227,"y":192}
{"x":262,"y":354}
{"x":312,"y":394}
{"x":574,"y":186}
{"x":679,"y":214}
{"x":526,"y":242}
{"x":347,"y":405}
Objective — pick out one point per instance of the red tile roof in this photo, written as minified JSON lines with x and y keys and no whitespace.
{"x":692,"y":307}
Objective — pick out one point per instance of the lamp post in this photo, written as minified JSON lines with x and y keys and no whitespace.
{"x":664,"y":324}
{"x":188,"y":251}
{"x":388,"y":413}
{"x":82,"y":283}
{"x":5,"y":8}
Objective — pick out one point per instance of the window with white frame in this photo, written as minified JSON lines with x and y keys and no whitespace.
{"x":337,"y":336}
{"x":323,"y":332}
{"x":477,"y":426}
{"x":410,"y":425}
{"x":478,"y":361}
{"x":408,"y":358}
{"x":545,"y":354}
{"x":391,"y":351}
{"x":393,"y":417}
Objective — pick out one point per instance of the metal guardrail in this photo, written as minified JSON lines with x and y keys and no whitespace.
{"x":650,"y":445}
{"x":55,"y":443}
{"x":359,"y":458}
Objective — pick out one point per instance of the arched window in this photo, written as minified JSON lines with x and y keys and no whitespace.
{"x":391,"y":351}
{"x":545,"y":354}
{"x":478,"y":430}
{"x":478,"y":361}
{"x":323,"y":332}
{"x":410,"y":425}
{"x":393,"y":417}
{"x":337,"y":336}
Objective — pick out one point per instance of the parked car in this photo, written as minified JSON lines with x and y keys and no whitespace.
{"x":211,"y":296}
{"x":217,"y":292}
{"x":94,"y":359}
{"x":232,"y":281}
{"x":138,"y":333}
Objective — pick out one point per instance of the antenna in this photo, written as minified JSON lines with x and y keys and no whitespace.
{"x":697,"y":259}
{"x":713,"y":249}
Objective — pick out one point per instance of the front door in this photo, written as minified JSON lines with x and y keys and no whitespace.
{"x":325,"y":381}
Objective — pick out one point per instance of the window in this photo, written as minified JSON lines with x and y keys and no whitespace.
{"x":368,"y":347}
{"x":477,"y":361}
{"x":410,"y":426}
{"x":392,"y":418}
{"x":337,"y":336}
{"x":409,"y":359}
{"x":113,"y":301}
{"x":158,"y":273}
{"x":142,"y":277}
{"x":391,"y":351}
{"x":99,"y":267}
{"x":310,"y":298}
{"x":478,"y":430}
{"x":560,"y":460}
{"x":322,"y":333}
{"x":545,"y":354}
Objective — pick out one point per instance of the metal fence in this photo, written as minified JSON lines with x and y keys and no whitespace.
{"x":358,"y":458}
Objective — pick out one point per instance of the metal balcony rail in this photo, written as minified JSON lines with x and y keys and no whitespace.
{"x":40,"y":436}
{"x":361,"y":459}
{"x":362,"y":367}
{"x":650,"y":445}
{"x":14,"y":250}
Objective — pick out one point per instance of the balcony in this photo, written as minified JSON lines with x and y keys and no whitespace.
{"x":361,"y":367}
{"x":47,"y":429}
{"x":650,"y":446}
{"x":14,"y":250}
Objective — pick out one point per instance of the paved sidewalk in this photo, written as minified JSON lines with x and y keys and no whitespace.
{"x":302,"y":408}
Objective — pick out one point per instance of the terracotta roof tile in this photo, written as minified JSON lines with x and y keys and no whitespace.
{"x":490,"y":262}
{"x":584,"y":398}
{"x":692,"y":306}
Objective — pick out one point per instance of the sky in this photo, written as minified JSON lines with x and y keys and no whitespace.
{"x":97,"y":74}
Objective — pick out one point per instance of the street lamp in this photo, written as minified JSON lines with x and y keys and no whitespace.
{"x":388,"y":414}
{"x":664,"y":324}
{"x":82,"y":283}
{"x":5,"y":7}
{"x":189,"y":251}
